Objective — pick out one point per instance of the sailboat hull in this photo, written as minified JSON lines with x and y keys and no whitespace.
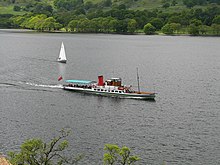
{"x":62,"y":61}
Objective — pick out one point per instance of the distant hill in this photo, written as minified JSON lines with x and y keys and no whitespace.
{"x":7,"y":6}
{"x":196,"y":17}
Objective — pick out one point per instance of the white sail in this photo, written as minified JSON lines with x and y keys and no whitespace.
{"x":62,"y":55}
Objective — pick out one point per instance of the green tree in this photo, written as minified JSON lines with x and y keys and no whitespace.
{"x":216,"y":29}
{"x":216,"y":20}
{"x":185,"y":17}
{"x":174,"y":19}
{"x":171,"y":28}
{"x":149,"y":29}
{"x":64,"y":17}
{"x":141,"y":17}
{"x":157,"y":23}
{"x":193,"y":29}
{"x":25,"y":22}
{"x":42,"y":8}
{"x":17,"y":20}
{"x":58,"y":26}
{"x":105,"y":24}
{"x":166,"y":5}
{"x":122,"y":26}
{"x":204,"y":29}
{"x":196,"y":22}
{"x":93,"y":26}
{"x":116,"y":155}
{"x":36,"y":22}
{"x":73,"y":25}
{"x":88,"y":5}
{"x":132,"y":25}
{"x":122,"y":7}
{"x":112,"y":24}
{"x":83,"y":25}
{"x":107,"y":3}
{"x":176,"y":26}
{"x":68,"y":4}
{"x":37,"y":152}
{"x":79,"y":11}
{"x":174,"y":3}
{"x":5,"y":20}
{"x":167,"y":29}
{"x":198,"y":14}
{"x":49,"y":24}
{"x":97,"y":24}
{"x":210,"y":14}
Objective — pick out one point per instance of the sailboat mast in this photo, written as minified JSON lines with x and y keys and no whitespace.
{"x":138,"y":81}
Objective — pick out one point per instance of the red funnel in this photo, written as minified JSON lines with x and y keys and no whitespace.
{"x":100,"y":82}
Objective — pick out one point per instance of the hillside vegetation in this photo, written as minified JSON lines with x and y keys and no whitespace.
{"x":196,"y":17}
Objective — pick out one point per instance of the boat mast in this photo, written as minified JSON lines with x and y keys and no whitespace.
{"x":138,"y":81}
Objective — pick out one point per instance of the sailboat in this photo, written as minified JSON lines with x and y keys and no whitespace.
{"x":62,"y":55}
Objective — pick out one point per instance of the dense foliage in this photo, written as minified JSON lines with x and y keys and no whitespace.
{"x":198,"y":17}
{"x":116,"y":155}
{"x":37,"y":152}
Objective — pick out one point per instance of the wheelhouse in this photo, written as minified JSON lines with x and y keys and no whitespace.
{"x":114,"y":82}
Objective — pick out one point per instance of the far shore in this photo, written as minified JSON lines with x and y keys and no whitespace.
{"x":62,"y":31}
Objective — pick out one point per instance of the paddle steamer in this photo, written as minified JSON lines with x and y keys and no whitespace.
{"x":112,"y":87}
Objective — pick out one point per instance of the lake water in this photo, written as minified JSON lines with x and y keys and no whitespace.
{"x":181,"y":127}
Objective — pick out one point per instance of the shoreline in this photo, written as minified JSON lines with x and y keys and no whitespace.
{"x":60,"y":31}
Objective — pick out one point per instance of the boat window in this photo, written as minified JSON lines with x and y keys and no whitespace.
{"x":119,"y":91}
{"x":102,"y":90}
{"x":95,"y":89}
{"x":98,"y":89}
{"x":116,"y":91}
{"x":113,"y":91}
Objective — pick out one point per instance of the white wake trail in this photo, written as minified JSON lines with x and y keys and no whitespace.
{"x":45,"y":85}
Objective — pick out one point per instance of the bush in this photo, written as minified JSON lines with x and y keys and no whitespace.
{"x":149,"y":29}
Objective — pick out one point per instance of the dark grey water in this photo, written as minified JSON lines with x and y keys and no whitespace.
{"x":181,"y":127}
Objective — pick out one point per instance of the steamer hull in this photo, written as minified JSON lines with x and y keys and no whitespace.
{"x":116,"y":93}
{"x":112,"y":87}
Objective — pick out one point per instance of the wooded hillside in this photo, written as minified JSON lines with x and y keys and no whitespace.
{"x":114,"y":16}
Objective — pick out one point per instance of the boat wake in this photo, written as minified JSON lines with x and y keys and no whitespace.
{"x":34,"y":86}
{"x":7,"y":84}
{"x":59,"y":86}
